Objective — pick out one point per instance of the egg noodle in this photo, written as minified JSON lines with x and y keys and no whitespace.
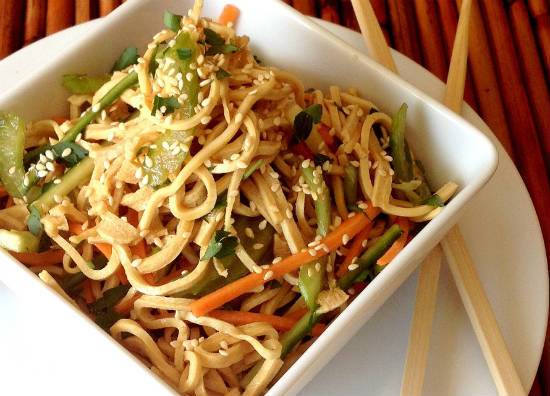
{"x":207,"y":210}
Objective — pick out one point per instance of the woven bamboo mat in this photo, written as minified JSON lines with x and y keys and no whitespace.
{"x":508,"y":80}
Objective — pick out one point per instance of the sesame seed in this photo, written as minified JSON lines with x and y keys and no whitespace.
{"x":277,"y":259}
{"x":223,"y":352}
{"x":204,"y":83}
{"x":184,"y":272}
{"x":66,"y":152}
{"x":189,"y":76}
{"x":145,"y":179}
{"x":135,"y":263}
{"x":309,"y":272}
{"x":42,"y":173}
{"x":26,"y":181}
{"x":257,"y":246}
{"x":248,"y":232}
{"x":40,"y":167}
{"x":148,"y":161}
{"x":364,"y":243}
{"x":262,"y":225}
{"x":275,"y":187}
{"x":11,"y":171}
{"x":312,"y":252}
{"x":205,"y":120}
{"x":318,"y":267}
{"x":205,"y":102}
{"x":50,"y":166}
{"x":268,"y":275}
{"x":176,"y":151}
{"x":139,"y":173}
{"x":49,"y":155}
{"x":96,"y":107}
{"x":224,"y":345}
{"x":57,"y":198}
{"x":345,"y":239}
{"x":353,"y":267}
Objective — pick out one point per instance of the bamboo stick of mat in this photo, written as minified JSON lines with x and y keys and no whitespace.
{"x":485,"y":80}
{"x":328,"y":10}
{"x":461,"y":265}
{"x":403,"y":28}
{"x":449,"y":21}
{"x":35,"y":20}
{"x":11,"y":24}
{"x":540,"y":10}
{"x":107,"y":6}
{"x":60,"y":15}
{"x":306,"y":7}
{"x":524,"y":136}
{"x":433,"y":51}
{"x":83,"y":11}
{"x":348,"y":16}
{"x":533,"y":73}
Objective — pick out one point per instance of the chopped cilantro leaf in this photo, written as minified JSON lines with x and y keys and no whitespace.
{"x":303,"y":122}
{"x":128,"y":57}
{"x":172,"y":21}
{"x":221,"y":74}
{"x":171,"y":104}
{"x":435,"y":201}
{"x":223,"y":244}
{"x":184,"y":53}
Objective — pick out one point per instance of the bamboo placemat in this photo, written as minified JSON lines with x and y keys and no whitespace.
{"x":508,"y":81}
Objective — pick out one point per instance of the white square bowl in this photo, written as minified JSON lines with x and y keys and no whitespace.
{"x":449,"y":147}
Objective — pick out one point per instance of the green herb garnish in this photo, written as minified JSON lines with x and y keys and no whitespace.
{"x":184,"y":53}
{"x":435,"y":201}
{"x":172,"y":21}
{"x":221,"y":74}
{"x":304,"y":120}
{"x":171,"y":104}
{"x":128,"y":57}
{"x":217,"y":43}
{"x":223,"y":244}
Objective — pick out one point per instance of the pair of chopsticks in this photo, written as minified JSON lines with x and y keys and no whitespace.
{"x":462,"y":268}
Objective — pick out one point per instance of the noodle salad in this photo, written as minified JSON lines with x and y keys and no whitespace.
{"x":207,"y":210}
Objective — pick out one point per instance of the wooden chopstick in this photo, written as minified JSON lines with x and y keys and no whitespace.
{"x":83,"y":11}
{"x":449,"y":21}
{"x":372,"y":34}
{"x":35,"y":20}
{"x":381,"y":12}
{"x":328,"y":10}
{"x":529,"y":155}
{"x":485,"y":81}
{"x":460,"y":262}
{"x":60,"y":15}
{"x":421,"y":325}
{"x":533,"y":73}
{"x":107,"y":6}
{"x":403,"y":27}
{"x":306,"y":7}
{"x":540,"y":12}
{"x":433,"y":51}
{"x":11,"y":23}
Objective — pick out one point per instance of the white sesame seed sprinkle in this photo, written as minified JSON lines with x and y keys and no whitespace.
{"x":11,"y":171}
{"x":66,"y":152}
{"x":268,"y":275}
{"x":353,"y":267}
{"x":262,"y":225}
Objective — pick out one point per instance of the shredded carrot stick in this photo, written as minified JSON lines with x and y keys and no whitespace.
{"x":324,"y":132}
{"x":348,"y":229}
{"x":355,"y":250}
{"x":281,"y":323}
{"x":3,"y":192}
{"x":397,"y":245}
{"x":297,"y":314}
{"x":303,"y":150}
{"x":42,"y":259}
{"x":87,"y":292}
{"x":229,"y":14}
{"x":121,"y":275}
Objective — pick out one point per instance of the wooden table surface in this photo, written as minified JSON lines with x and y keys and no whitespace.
{"x":508,"y":80}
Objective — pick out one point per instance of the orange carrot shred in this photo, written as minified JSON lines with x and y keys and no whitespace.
{"x":87,"y":292}
{"x":355,"y":250}
{"x":42,"y":259}
{"x":281,"y":323}
{"x":397,"y":245}
{"x":351,"y":227}
{"x":229,"y":14}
